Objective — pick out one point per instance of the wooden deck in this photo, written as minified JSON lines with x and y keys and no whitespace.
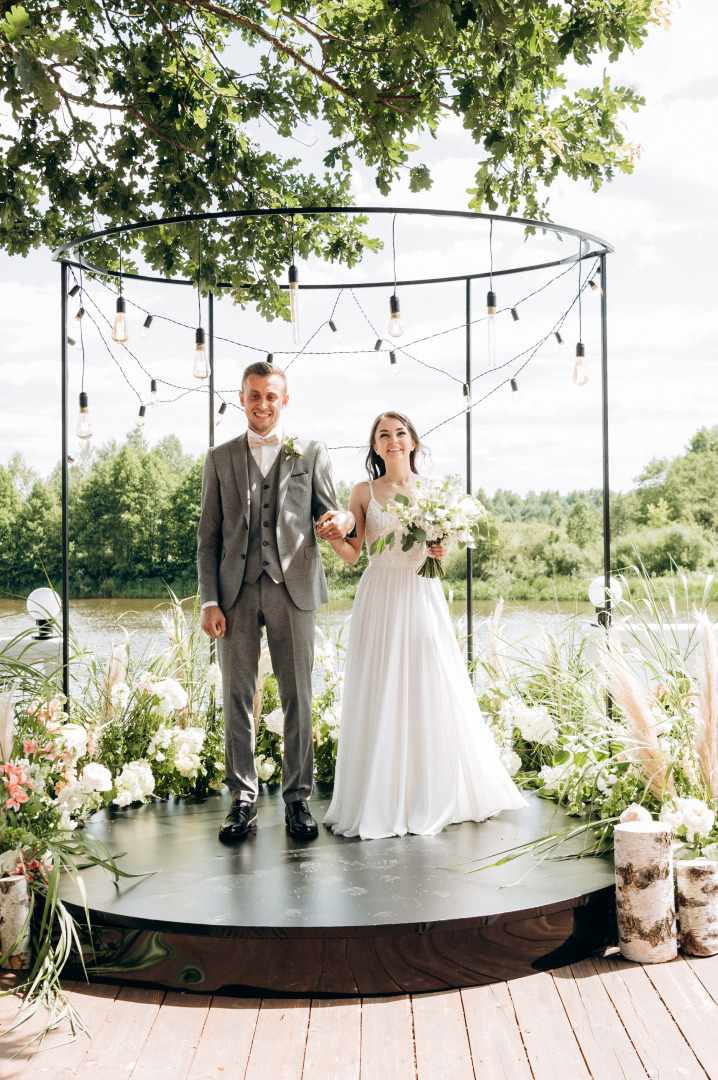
{"x":602,"y":1019}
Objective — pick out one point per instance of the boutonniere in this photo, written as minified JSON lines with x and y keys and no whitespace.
{"x":291,"y":448}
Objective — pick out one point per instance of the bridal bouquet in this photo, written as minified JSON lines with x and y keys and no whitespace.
{"x":438,"y":514}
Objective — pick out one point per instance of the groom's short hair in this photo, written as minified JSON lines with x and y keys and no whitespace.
{"x":263,"y":368}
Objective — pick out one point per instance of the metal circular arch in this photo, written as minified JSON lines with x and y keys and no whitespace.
{"x":71,"y":247}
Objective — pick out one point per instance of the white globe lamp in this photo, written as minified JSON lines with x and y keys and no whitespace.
{"x":44,"y":606}
{"x":597,"y":594}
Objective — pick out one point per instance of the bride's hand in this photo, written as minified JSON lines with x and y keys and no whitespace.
{"x":438,"y":551}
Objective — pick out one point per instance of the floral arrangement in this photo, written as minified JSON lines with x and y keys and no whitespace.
{"x":439,"y":513}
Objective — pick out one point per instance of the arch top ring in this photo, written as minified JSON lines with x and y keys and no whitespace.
{"x":591,"y":245}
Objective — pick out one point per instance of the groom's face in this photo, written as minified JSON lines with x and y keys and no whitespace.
{"x":263,"y":397}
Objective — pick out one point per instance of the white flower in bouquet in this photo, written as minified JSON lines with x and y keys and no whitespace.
{"x":275,"y":721}
{"x":634,"y":812}
{"x":213,"y":678}
{"x":265,"y":767}
{"x":134,"y":783}
{"x":510,"y":760}
{"x":9,"y":861}
{"x":160,"y":742}
{"x":97,"y":776}
{"x":172,"y":695}
{"x":75,"y":737}
{"x":119,"y":695}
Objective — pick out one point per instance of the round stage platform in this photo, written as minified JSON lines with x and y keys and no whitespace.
{"x":338,"y":915}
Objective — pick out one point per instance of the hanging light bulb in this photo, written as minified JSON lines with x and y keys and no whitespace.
{"x":515,"y":392}
{"x":294,"y":303}
{"x":146,"y":327}
{"x":119,"y":328}
{"x":395,"y":325}
{"x":74,"y":290}
{"x":338,"y":338}
{"x":201,"y":367}
{"x":514,"y":314}
{"x":140,"y":421}
{"x":84,"y":422}
{"x":220,"y":414}
{"x":491,"y":334}
{"x":74,"y":343}
{"x":467,"y":396}
{"x":80,"y":313}
{"x":378,"y":345}
{"x":153,"y":393}
{"x":333,"y":326}
{"x":394,"y":366}
{"x":580,"y":377}
{"x":592,"y":282}
{"x":558,"y":337}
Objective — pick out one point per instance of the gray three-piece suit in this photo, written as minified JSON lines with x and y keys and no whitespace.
{"x":258,"y":555}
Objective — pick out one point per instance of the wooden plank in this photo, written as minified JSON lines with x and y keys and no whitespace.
{"x":440,"y":1037}
{"x":64,"y":1054}
{"x":706,"y":968}
{"x":387,"y":1041}
{"x":497,"y":1050}
{"x":117,"y":1043}
{"x":279,"y":1040}
{"x":606,"y":1047}
{"x":656,"y":1038}
{"x":691,"y":1006}
{"x":550,"y":1044}
{"x":226,"y":1040}
{"x":174,"y":1038}
{"x":334,"y":1040}
{"x":21,"y":1045}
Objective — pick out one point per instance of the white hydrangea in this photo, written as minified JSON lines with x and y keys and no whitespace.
{"x":555,"y":776}
{"x":172,"y":695}
{"x":634,"y":812}
{"x":98,"y":776}
{"x":186,"y":744}
{"x":510,"y":760}
{"x":275,"y":721}
{"x":159,"y":743}
{"x":265,"y":767}
{"x":73,"y":797}
{"x":693,"y":813}
{"x":533,"y":721}
{"x":119,"y":695}
{"x":134,"y":783}
{"x":213,"y":678}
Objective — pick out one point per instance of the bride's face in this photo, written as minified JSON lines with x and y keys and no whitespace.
{"x":392,"y":441}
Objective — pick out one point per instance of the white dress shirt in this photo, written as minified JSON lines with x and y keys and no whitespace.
{"x":264,"y":449}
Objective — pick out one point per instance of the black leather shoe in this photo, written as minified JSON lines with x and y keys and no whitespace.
{"x":241,"y":818}
{"x":300,"y":823}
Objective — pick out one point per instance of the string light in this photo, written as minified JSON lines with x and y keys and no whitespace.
{"x":119,"y":327}
{"x":333,"y":326}
{"x":153,"y":393}
{"x":294,"y":295}
{"x":491,"y":305}
{"x":140,"y":421}
{"x":84,"y":421}
{"x":396,"y":328}
{"x":515,"y":392}
{"x":593,"y":284}
{"x":394,"y":368}
{"x":200,"y":367}
{"x":558,"y":337}
{"x":580,"y":377}
{"x":146,"y":327}
{"x":467,"y":396}
{"x":378,"y":344}
{"x":270,"y":357}
{"x":73,"y":343}
{"x":514,"y":314}
{"x":74,"y":290}
{"x":220,"y":414}
{"x":80,"y":313}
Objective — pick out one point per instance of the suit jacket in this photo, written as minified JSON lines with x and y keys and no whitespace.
{"x":306,"y":492}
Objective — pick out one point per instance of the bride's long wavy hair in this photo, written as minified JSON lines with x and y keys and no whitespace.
{"x":374,"y":464}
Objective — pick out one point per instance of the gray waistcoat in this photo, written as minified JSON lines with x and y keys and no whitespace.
{"x":262,"y":553}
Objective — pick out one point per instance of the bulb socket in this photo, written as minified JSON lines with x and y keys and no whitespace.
{"x":491,"y":301}
{"x":222,"y":408}
{"x":120,"y":309}
{"x":148,"y":322}
{"x":394,"y":304}
{"x":332,"y":326}
{"x":199,"y":336}
{"x":83,"y":400}
{"x":143,"y":410}
{"x":558,"y":337}
{"x":593,"y":284}
{"x":514,"y":314}
{"x":71,"y":342}
{"x":580,"y":349}
{"x":392,"y":357}
{"x":153,"y":386}
{"x":74,"y":290}
{"x":379,"y":343}
{"x":80,"y":314}
{"x":270,"y":357}
{"x":293,"y":275}
{"x":514,"y":386}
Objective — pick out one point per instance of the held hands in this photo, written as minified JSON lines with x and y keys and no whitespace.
{"x":334,"y":525}
{"x":213,"y":621}
{"x":438,"y":551}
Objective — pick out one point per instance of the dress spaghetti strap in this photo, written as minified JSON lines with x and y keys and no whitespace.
{"x":371,"y":490}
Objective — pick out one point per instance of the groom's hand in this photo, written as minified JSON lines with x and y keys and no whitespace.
{"x":335,"y":524}
{"x":213,"y":621}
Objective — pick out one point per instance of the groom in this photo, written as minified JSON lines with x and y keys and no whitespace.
{"x":259,"y":565}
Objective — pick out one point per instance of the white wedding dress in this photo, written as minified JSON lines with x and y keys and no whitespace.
{"x":414,"y":752}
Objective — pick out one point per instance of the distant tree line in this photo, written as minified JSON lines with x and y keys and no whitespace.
{"x":134,"y":512}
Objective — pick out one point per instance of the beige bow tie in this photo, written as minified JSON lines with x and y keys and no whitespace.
{"x":263,"y":440}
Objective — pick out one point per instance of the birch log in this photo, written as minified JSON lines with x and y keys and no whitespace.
{"x":697,"y":906}
{"x":14,"y":909}
{"x":645,"y":905}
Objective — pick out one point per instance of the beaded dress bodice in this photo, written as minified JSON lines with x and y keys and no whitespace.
{"x":380,"y":522}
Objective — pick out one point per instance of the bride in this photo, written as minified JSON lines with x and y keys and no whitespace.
{"x":414,"y":753}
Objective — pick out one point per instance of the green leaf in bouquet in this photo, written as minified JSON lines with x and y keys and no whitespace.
{"x":419,"y":536}
{"x":390,"y":540}
{"x":401,"y":499}
{"x":378,"y":546}
{"x":407,"y":542}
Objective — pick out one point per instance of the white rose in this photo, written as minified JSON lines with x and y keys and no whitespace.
{"x":74,"y":736}
{"x":671,"y":815}
{"x":698,"y":819}
{"x":635,"y":813}
{"x":99,"y":777}
{"x":275,"y":721}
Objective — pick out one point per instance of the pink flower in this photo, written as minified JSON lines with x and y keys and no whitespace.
{"x":29,"y":746}
{"x":13,"y":803}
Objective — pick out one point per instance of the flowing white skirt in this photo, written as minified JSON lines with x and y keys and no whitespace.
{"x":414,"y":752}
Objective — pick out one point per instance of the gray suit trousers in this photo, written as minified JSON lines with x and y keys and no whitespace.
{"x":290,"y":635}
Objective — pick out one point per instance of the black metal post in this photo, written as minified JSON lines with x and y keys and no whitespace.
{"x":211,"y":370}
{"x":64,"y":473}
{"x":469,"y":552}
{"x":604,"y":429}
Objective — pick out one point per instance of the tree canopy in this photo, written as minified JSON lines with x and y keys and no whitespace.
{"x":126,"y":109}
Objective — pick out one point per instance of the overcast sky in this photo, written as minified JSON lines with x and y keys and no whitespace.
{"x":661,"y":294}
